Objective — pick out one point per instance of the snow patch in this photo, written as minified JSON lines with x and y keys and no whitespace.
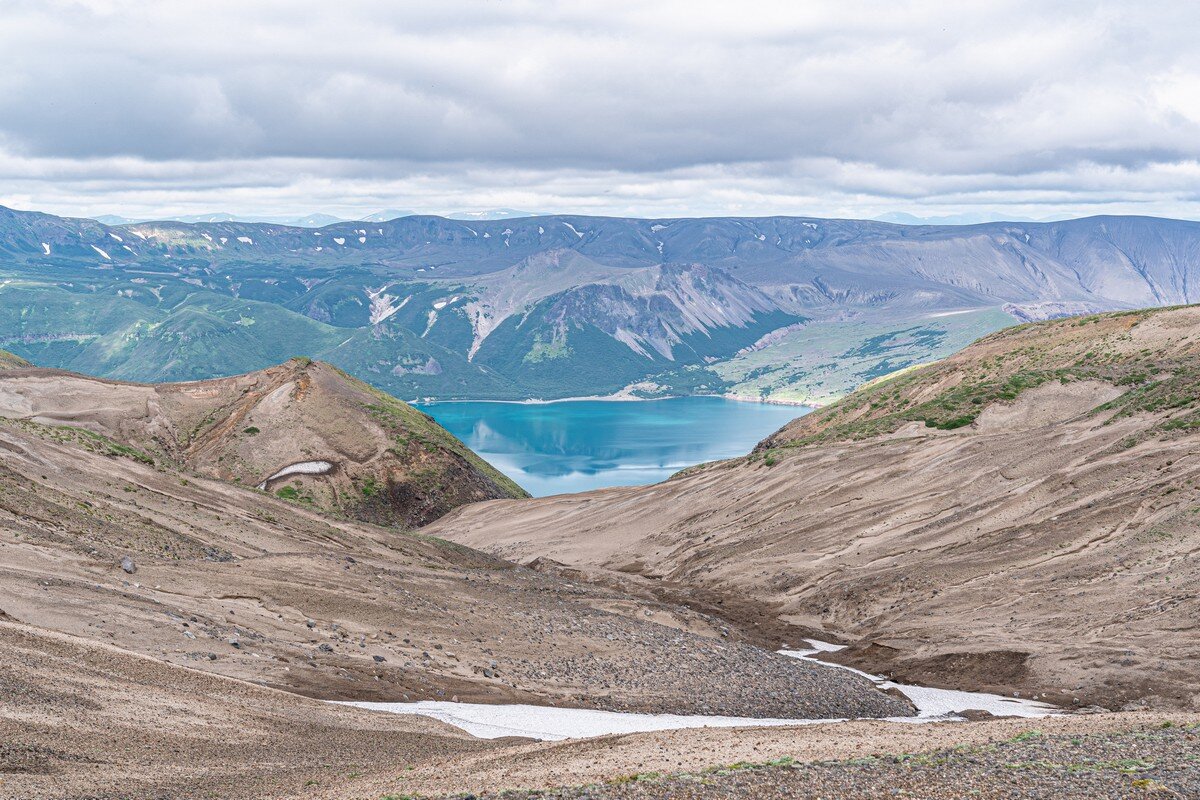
{"x":113,"y":235}
{"x":101,"y":252}
{"x":244,"y":240}
{"x":555,"y":724}
{"x":934,"y":704}
{"x":572,"y":227}
{"x":300,"y":468}
{"x":339,"y":239}
{"x":382,"y":303}
{"x":46,"y":247}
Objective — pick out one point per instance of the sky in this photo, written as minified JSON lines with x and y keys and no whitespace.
{"x":996,"y":110}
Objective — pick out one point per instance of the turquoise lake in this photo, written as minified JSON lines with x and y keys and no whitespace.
{"x":574,"y":446}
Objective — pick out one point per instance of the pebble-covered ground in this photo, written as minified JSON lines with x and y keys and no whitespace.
{"x":1156,"y":763}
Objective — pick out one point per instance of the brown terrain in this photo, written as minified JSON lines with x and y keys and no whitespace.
{"x":1018,"y":518}
{"x":111,"y":539}
{"x":384,"y":461}
{"x":1022,"y":517}
{"x":82,"y":719}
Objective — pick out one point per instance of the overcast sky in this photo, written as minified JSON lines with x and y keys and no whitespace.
{"x":1020,"y":109}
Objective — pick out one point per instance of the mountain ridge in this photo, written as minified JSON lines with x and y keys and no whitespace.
{"x":411,"y":304}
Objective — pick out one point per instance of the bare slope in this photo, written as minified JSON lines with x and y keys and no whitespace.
{"x":95,"y":541}
{"x":332,"y":440}
{"x":1021,"y":517}
{"x":84,"y":719}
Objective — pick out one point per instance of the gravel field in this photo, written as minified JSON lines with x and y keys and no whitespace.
{"x":1156,"y":763}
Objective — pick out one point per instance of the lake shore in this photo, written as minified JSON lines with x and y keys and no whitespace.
{"x":627,"y":397}
{"x":577,"y":445}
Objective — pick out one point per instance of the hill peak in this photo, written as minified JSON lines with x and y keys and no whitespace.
{"x":303,"y":430}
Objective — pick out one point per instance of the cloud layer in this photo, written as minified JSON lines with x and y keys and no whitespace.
{"x":603,"y":107}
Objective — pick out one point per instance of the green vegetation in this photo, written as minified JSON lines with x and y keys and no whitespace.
{"x":822,"y":361}
{"x":547,"y":350}
{"x":951,"y":394}
{"x":410,"y":427}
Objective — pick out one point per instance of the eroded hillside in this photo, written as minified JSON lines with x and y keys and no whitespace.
{"x":123,"y":520}
{"x":302,"y":430}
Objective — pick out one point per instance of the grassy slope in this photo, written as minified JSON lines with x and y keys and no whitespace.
{"x":826,"y":359}
{"x":426,"y":432}
{"x":951,"y":393}
{"x":10,"y":361}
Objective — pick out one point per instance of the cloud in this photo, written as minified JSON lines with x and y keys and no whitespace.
{"x":606,"y":107}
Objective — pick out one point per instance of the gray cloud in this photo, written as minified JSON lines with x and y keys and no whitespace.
{"x":606,"y":107}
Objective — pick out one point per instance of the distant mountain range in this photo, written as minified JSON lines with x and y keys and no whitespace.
{"x":782,"y":308}
{"x":315,"y":220}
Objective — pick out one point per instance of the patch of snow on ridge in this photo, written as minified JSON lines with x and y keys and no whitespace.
{"x":300,"y":468}
{"x":113,"y":235}
{"x":933,"y":704}
{"x":46,"y":247}
{"x":244,"y":240}
{"x":381,"y":303}
{"x":572,"y":227}
{"x":101,"y":252}
{"x":339,"y":239}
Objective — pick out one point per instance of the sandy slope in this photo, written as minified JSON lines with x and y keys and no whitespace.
{"x":1047,"y":548}
{"x":236,"y":582}
{"x":82,"y":719}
